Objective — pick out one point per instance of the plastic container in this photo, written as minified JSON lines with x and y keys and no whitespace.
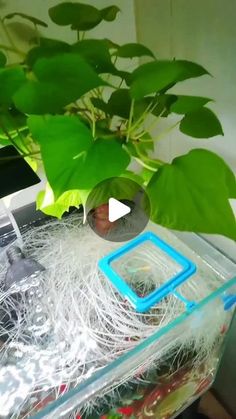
{"x":168,"y":372}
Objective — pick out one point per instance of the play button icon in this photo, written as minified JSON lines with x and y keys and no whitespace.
{"x":117,"y":209}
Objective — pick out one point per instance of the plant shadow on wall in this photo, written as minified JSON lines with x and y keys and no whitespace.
{"x":73,"y":107}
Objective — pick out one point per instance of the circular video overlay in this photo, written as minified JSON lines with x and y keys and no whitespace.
{"x":117,"y":209}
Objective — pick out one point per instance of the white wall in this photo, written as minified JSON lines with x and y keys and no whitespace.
{"x":122,"y":30}
{"x":203,"y":31}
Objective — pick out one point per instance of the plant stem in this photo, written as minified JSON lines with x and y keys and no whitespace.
{"x":10,"y":138}
{"x":144,"y":164}
{"x":93,"y":122}
{"x":16,"y":50}
{"x":130,"y":120}
{"x":21,"y":156}
{"x":141,"y":118}
{"x":37,"y":34}
{"x":11,"y":42}
{"x":18,"y":131}
{"x":120,"y":84}
{"x":13,"y":47}
{"x":78,"y":36}
{"x":139,"y":140}
{"x":163,"y":133}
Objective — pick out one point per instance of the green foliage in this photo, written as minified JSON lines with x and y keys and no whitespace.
{"x":96,"y":53}
{"x":184,"y":104}
{"x":133,"y":50}
{"x":56,"y":208}
{"x":32,"y":19}
{"x":201,"y":186}
{"x":81,"y":17}
{"x":209,"y":126}
{"x":88,"y":118}
{"x":45,"y":94}
{"x":11,"y":79}
{"x":72,"y":159}
{"x":156,"y":76}
{"x":3,"y":59}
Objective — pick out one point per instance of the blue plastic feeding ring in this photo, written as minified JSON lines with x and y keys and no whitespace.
{"x":142,"y":304}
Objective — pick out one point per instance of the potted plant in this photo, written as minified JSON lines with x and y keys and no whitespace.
{"x":74,"y":108}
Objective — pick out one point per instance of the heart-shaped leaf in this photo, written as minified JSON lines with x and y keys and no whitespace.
{"x":56,"y":208}
{"x":132,"y":50}
{"x":185,"y":104}
{"x":96,"y":53}
{"x":111,"y":44}
{"x":40,"y":98}
{"x":192,"y":194}
{"x":109,"y":13}
{"x":158,"y":75}
{"x":81,"y":17}
{"x":45,"y":52}
{"x":201,"y":123}
{"x":61,"y":80}
{"x":3,"y":59}
{"x":32,"y":19}
{"x":164,"y":104}
{"x":119,"y":103}
{"x":100,"y":104}
{"x":10,"y":81}
{"x":79,"y":162}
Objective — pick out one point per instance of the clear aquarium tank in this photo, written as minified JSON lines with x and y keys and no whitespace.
{"x":73,"y":346}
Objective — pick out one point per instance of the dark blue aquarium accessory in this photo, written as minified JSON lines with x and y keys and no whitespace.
{"x":144,"y":303}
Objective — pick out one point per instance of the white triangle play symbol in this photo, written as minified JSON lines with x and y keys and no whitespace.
{"x":117,"y":210}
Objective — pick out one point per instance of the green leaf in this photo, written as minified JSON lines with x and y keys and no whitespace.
{"x":100,"y":104}
{"x":146,"y":175}
{"x":4,"y":141}
{"x":133,"y":50}
{"x":41,"y":98}
{"x":45,"y":52}
{"x":192,"y":194}
{"x":119,"y":103}
{"x":140,"y":148}
{"x":81,"y":17}
{"x":61,"y":80}
{"x":96,"y":53}
{"x":157,"y":75}
{"x":32,"y":19}
{"x":79,"y":162}
{"x":109,"y":13}
{"x":164,"y":105}
{"x":201,"y":123}
{"x":111,"y":44}
{"x":102,"y":128}
{"x":46,"y":202}
{"x":12,"y":120}
{"x":184,"y":104}
{"x":133,"y":176}
{"x":3,"y":59}
{"x":64,"y":142}
{"x":127,"y":190}
{"x":10,"y":81}
{"x":68,"y":70}
{"x":105,"y":159}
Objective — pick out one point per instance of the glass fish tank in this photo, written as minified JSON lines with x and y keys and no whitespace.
{"x":74,"y":345}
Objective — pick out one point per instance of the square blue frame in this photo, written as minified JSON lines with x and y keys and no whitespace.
{"x":142,"y":304}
